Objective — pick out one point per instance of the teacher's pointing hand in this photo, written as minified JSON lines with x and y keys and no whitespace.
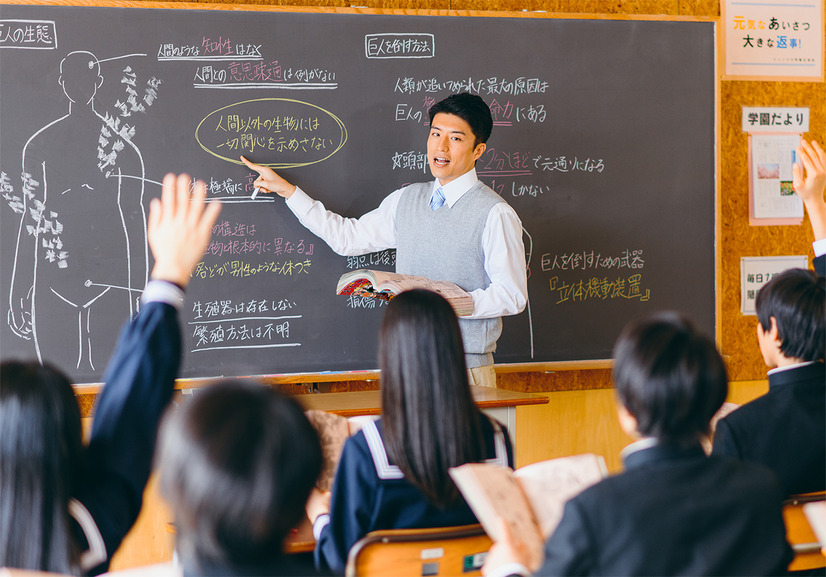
{"x":269,"y":181}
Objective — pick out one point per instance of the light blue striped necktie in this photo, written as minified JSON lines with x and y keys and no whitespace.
{"x":438,"y":199}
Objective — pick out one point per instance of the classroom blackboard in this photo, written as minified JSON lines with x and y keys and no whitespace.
{"x":603,"y":142}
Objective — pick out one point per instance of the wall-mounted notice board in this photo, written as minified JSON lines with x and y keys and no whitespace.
{"x":604,"y":143}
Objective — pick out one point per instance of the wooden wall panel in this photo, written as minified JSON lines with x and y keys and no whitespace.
{"x":738,"y":239}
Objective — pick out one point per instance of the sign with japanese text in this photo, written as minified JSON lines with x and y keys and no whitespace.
{"x":775,"y":119}
{"x":755,"y":271}
{"x":773,"y":39}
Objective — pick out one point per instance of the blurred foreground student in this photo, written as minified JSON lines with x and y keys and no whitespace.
{"x":64,"y":508}
{"x":673,"y":511}
{"x":237,"y":464}
{"x":393,"y":474}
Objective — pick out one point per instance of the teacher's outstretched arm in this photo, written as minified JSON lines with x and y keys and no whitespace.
{"x":269,"y":181}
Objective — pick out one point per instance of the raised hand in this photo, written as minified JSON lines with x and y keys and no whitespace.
{"x":179,"y":228}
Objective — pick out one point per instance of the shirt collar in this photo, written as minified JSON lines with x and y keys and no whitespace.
{"x":790,"y":367}
{"x":643,"y":443}
{"x":456,"y":188}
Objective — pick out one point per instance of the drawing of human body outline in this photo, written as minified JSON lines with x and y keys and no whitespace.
{"x":81,"y":243}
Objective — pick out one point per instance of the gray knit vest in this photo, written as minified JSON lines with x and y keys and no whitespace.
{"x":446,"y":244}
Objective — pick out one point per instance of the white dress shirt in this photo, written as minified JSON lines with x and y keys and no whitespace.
{"x":504,"y":250}
{"x":819,"y":246}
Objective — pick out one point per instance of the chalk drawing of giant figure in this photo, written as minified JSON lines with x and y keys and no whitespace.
{"x":81,"y":255}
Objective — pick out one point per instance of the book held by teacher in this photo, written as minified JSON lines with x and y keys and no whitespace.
{"x":385,"y":285}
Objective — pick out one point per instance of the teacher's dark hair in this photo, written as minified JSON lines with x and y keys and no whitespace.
{"x":41,"y":455}
{"x":796,"y":298}
{"x":670,"y":377}
{"x":470,"y":108}
{"x":430,"y":421}
{"x":237,"y":465}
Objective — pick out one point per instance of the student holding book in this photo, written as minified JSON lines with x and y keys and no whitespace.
{"x":453,"y":228}
{"x":673,"y":511}
{"x":237,"y":464}
{"x":785,"y":429}
{"x":393,"y":473}
{"x":65,"y":508}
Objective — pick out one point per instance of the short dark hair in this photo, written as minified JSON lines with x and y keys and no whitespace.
{"x":670,"y":377}
{"x":237,"y":462}
{"x":470,"y":108}
{"x":429,"y":419}
{"x":796,"y":298}
{"x":41,"y":460}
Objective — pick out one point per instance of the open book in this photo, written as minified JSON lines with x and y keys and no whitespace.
{"x":530,"y":499}
{"x":386,"y":285}
{"x":333,"y":430}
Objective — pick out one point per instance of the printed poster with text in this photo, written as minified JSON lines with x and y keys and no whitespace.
{"x":773,"y":39}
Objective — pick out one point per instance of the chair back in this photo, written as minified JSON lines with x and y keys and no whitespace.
{"x":420,"y":552}
{"x":799,"y":533}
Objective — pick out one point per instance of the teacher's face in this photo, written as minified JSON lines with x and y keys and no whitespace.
{"x":450,"y":147}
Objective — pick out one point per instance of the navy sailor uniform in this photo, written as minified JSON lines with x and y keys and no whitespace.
{"x":139,"y":382}
{"x":371,"y":493}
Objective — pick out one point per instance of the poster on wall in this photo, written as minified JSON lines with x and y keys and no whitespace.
{"x":755,"y":271}
{"x":774,"y":133}
{"x":773,"y":40}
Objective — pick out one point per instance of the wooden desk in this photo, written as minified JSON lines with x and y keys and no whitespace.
{"x":300,"y":539}
{"x":149,"y":542}
{"x":497,"y":403}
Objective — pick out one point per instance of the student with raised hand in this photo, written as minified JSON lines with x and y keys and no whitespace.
{"x":393,"y":474}
{"x":453,"y":228}
{"x":673,"y":510}
{"x":237,"y":464}
{"x":64,"y":508}
{"x":785,"y":429}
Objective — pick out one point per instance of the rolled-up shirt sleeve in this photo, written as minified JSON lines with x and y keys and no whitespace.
{"x":505,"y":265}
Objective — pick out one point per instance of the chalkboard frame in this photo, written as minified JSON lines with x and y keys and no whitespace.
{"x":500,"y":367}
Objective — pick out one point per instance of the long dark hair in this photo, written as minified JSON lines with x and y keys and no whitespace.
{"x":41,"y":453}
{"x":430,"y":421}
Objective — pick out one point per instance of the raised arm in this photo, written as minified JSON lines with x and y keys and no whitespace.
{"x":141,"y":374}
{"x":372,"y":232}
{"x":809,"y":183}
{"x":179,"y":229}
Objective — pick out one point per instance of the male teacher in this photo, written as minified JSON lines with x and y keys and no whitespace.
{"x":454,"y":228}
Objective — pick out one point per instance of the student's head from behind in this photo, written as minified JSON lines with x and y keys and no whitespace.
{"x":460,"y":125}
{"x":669,"y":378}
{"x":791,"y":314}
{"x":41,"y":453}
{"x":237,"y":464}
{"x":430,"y":421}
